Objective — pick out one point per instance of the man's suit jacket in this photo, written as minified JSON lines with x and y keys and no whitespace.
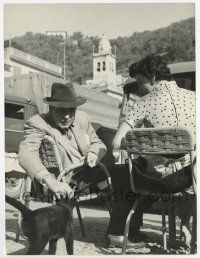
{"x":40,"y":125}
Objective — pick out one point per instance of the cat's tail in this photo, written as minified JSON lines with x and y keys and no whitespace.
{"x":18,"y":205}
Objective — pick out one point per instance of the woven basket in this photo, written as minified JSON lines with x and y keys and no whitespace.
{"x":158,"y":141}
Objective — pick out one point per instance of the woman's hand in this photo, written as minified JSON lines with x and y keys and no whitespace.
{"x":58,"y":188}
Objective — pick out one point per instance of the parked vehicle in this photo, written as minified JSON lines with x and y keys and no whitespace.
{"x":184,"y":74}
{"x":17,"y":110}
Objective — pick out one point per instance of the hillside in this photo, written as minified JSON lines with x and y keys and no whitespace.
{"x":176,"y":40}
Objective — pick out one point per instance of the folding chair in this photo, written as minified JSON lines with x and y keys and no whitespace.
{"x":50,"y":158}
{"x":157,"y":141}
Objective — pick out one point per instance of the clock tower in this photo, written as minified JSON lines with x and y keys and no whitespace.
{"x":104,"y":64}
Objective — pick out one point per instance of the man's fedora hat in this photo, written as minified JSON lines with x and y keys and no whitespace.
{"x":64,"y":96}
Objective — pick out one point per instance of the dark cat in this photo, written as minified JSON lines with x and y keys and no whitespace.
{"x":46,"y":225}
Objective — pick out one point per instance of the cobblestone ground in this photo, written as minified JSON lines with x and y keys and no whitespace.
{"x":95,"y":222}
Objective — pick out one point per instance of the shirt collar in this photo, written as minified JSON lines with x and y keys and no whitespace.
{"x":160,"y":85}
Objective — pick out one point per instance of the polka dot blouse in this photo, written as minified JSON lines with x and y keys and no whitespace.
{"x":167,"y":105}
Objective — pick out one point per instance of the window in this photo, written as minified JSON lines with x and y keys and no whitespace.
{"x":14,"y":117}
{"x":185,"y":80}
{"x":98,"y":67}
{"x":110,"y":66}
{"x":104,"y":65}
{"x":184,"y":83}
{"x":7,"y":67}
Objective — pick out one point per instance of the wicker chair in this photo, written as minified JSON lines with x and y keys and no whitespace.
{"x":160,"y":141}
{"x":50,"y":158}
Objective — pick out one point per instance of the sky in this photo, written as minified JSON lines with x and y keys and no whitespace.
{"x":92,"y":19}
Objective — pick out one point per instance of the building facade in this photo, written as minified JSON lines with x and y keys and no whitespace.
{"x":17,"y":62}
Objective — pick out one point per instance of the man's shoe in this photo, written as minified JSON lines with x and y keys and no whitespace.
{"x":117,"y":241}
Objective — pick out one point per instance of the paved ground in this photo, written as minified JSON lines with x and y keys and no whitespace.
{"x":95,"y":222}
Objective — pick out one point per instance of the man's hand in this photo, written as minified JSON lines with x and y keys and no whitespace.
{"x":58,"y":188}
{"x":92,"y":159}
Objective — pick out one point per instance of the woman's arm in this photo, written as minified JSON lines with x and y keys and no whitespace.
{"x":134,"y":119}
{"x":119,"y":138}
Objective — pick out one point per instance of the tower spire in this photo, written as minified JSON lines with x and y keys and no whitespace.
{"x":104,"y":45}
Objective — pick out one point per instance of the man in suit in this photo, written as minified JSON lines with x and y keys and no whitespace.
{"x":75,"y":137}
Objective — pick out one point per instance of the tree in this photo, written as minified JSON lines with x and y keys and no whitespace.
{"x":178,"y":40}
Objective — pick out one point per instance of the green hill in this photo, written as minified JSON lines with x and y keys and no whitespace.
{"x":176,"y":40}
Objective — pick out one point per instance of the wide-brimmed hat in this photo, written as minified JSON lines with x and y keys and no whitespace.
{"x":64,"y":96}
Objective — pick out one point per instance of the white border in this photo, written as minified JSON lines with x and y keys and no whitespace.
{"x":2,"y":165}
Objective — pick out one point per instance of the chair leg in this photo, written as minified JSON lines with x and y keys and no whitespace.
{"x":19,"y":217}
{"x":194,"y":221}
{"x":109,"y":207}
{"x":80,"y":219}
{"x":25,"y":199}
{"x":164,"y":231}
{"x":194,"y":228}
{"x":128,"y":220}
{"x":172,"y":226}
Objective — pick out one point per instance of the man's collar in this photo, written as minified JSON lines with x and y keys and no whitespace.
{"x":65,"y":131}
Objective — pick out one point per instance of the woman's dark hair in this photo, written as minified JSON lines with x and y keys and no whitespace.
{"x":152,"y":66}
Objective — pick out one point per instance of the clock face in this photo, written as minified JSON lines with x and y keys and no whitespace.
{"x":101,"y":48}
